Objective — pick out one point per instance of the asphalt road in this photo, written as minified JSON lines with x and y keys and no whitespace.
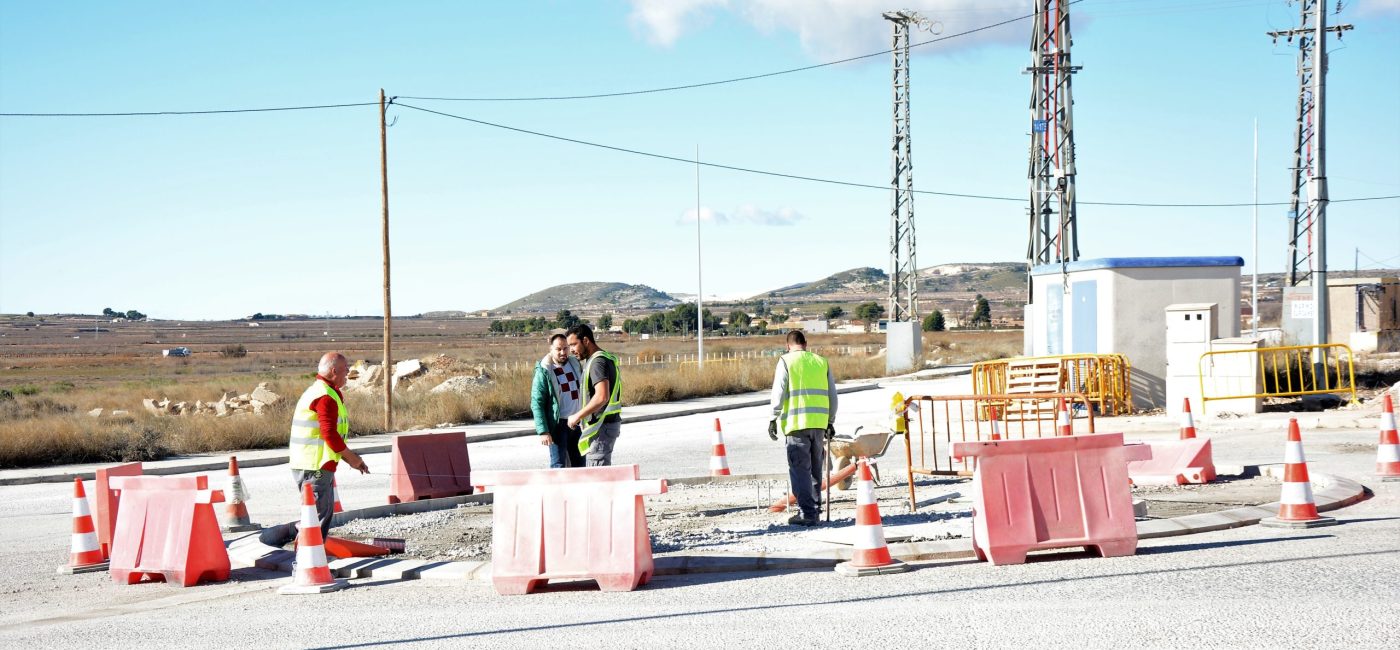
{"x":1248,"y":587}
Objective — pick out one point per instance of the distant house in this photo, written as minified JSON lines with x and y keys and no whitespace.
{"x":814,"y":326}
{"x":851,"y":327}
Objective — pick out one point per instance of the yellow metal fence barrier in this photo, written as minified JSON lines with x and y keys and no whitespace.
{"x":1286,"y":371}
{"x":1103,"y":378}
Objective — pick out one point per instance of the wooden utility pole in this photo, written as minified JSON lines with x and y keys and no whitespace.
{"x":384,"y":225}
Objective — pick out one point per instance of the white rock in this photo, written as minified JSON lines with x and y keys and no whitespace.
{"x":95,"y":413}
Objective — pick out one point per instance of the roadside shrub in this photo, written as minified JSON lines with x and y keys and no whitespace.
{"x":233,"y":351}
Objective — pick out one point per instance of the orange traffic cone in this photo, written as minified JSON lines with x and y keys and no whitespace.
{"x":996,"y":423}
{"x":872,"y":556}
{"x":335,"y":490}
{"x":719,"y":461}
{"x":236,"y":510}
{"x":1296,"y":506}
{"x":310,"y":574}
{"x":1063,"y":425}
{"x":1388,"y":450}
{"x":85,"y":555}
{"x":1188,"y":425}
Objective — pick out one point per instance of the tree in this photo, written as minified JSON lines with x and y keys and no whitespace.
{"x":605,"y":322}
{"x":870,"y":311}
{"x":566,"y":319}
{"x":110,"y":313}
{"x":981,"y":313}
{"x":739,"y":320}
{"x":29,"y":314}
{"x":135,"y":315}
{"x":934,"y":322}
{"x":834,"y":312}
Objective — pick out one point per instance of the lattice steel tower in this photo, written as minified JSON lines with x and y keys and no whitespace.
{"x":1054,"y":233}
{"x":904,"y":269}
{"x":1308,"y":209}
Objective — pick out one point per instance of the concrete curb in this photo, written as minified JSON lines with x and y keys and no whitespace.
{"x":202,"y":465}
{"x":1331,"y":493}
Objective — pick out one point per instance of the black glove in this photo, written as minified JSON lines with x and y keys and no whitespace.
{"x":830,"y":431}
{"x":773,"y":430}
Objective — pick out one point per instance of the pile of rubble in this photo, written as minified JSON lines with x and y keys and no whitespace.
{"x":231,"y":403}
{"x":442,"y":373}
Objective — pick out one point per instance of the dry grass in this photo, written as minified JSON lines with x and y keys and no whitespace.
{"x":44,"y":420}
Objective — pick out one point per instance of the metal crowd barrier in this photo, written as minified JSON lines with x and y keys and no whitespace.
{"x":1104,"y":378}
{"x":934,"y":423}
{"x":1286,"y":371}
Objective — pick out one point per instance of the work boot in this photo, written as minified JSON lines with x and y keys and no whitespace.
{"x":279,"y":535}
{"x":802,"y":520}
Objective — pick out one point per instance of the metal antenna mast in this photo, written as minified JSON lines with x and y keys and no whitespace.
{"x":1308,"y":207}
{"x":904,"y":268}
{"x":1054,"y":233}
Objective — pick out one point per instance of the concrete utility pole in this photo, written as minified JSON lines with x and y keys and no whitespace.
{"x":1309,"y":215}
{"x":1054,"y":231}
{"x":699,"y":272}
{"x":384,"y":236}
{"x":904,"y":280}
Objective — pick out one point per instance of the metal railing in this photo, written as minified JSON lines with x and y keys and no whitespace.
{"x":1104,"y":378}
{"x":1285,"y":371}
{"x":934,"y":423}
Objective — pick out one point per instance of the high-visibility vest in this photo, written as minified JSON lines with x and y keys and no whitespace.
{"x":808,"y":404}
{"x":614,"y":407}
{"x":307,"y":450}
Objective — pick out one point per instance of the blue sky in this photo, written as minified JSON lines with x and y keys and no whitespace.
{"x":223,"y":216}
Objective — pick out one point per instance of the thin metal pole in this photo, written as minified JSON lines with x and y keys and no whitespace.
{"x":699,"y":274}
{"x":384,"y":236}
{"x":1317,"y":190}
{"x":1254,"y":284}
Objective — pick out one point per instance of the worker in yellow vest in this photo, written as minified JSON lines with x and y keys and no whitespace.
{"x":320,"y":425}
{"x":600,"y":417}
{"x":804,"y":411}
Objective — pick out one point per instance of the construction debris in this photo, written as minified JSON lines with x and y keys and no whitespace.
{"x":256,"y":402}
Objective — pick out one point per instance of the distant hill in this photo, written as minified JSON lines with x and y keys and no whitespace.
{"x":869,"y":283}
{"x":579,"y":296}
{"x":854,"y":282}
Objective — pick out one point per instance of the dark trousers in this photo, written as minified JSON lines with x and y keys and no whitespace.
{"x":804,"y":455}
{"x":323,"y":489}
{"x":564,"y":451}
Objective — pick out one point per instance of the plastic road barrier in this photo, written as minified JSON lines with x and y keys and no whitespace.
{"x":1175,"y":463}
{"x":429,"y":466}
{"x":1052,"y":493}
{"x":167,"y":532}
{"x":574,"y":523}
{"x":106,"y":502}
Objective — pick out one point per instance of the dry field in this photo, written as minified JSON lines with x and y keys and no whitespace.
{"x":55,"y":369}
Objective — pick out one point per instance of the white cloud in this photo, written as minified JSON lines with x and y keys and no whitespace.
{"x":830,"y":29}
{"x":663,"y":21}
{"x":747,"y":214}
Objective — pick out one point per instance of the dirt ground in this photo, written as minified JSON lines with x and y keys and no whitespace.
{"x":733,"y":518}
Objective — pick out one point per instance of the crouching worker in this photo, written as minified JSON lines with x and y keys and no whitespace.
{"x":316,"y":447}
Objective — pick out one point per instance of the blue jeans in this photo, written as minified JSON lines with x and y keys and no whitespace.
{"x":564,"y":451}
{"x":804,"y":455}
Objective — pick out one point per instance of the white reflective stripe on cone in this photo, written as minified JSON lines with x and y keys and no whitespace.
{"x":718,"y":462}
{"x":1387,"y":422}
{"x":204,"y":496}
{"x":309,"y":557}
{"x":309,"y":518}
{"x":80,"y":507}
{"x":1293,"y":453}
{"x":1186,"y":420}
{"x":84,"y":542}
{"x":1296,"y":493}
{"x":865,"y":493}
{"x":869,"y":537}
{"x":1388,"y":454}
{"x":717,"y":438}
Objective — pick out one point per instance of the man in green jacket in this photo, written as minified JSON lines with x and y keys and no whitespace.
{"x":556,"y":394}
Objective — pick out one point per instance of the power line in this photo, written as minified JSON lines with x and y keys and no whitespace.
{"x":720,"y":82}
{"x":831,"y":181}
{"x":208,"y":112}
